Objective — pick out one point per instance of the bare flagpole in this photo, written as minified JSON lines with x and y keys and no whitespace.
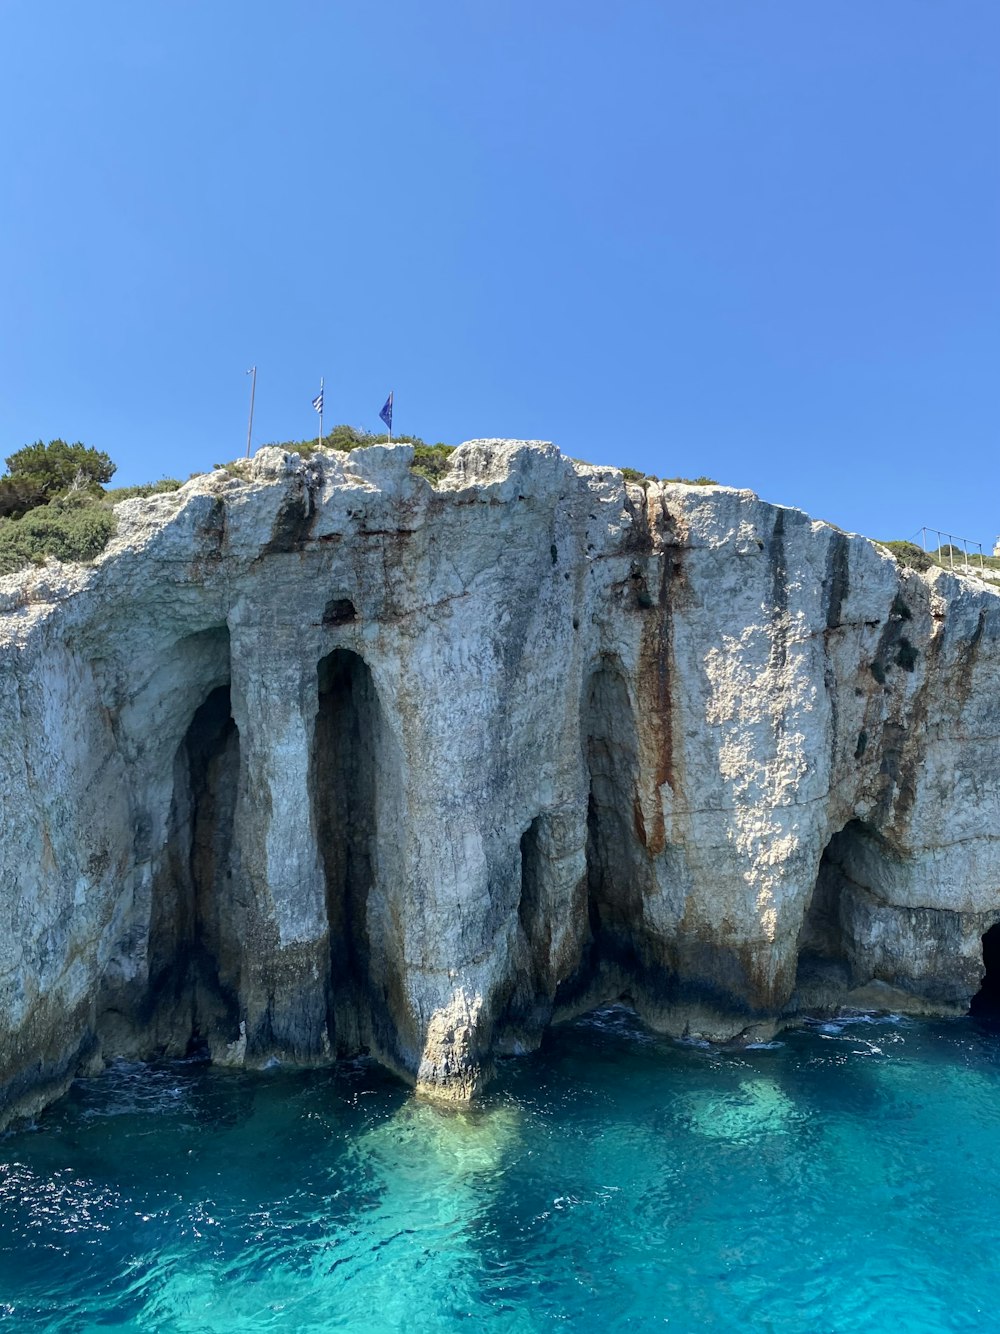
{"x":253,"y":389}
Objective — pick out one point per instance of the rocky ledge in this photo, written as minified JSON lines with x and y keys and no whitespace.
{"x":318,"y":758}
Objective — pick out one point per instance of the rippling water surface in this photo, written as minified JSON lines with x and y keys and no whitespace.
{"x":845,"y":1178}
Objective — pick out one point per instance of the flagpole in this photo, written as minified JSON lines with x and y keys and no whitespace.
{"x":319,"y":444}
{"x":386,"y":415}
{"x":253,"y":389}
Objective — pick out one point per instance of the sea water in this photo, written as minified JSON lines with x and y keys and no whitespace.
{"x":843,"y":1178}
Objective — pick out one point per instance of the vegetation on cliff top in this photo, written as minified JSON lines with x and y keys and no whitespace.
{"x":908,"y":553}
{"x":40,"y":473}
{"x":165,"y":484}
{"x":74,"y":527}
{"x":644,"y":478}
{"x":430,"y":461}
{"x":53,"y":502}
{"x":945,"y":557}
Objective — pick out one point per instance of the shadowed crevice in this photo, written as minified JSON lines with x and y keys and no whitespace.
{"x":616,"y":859}
{"x":986,"y":1001}
{"x":530,"y":905}
{"x":824,"y":972}
{"x":529,"y":1006}
{"x":343,"y":794}
{"x":189,"y":940}
{"x":351,"y":754}
{"x":614,"y":899}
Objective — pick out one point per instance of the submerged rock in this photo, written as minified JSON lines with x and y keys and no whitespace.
{"x":319,"y":759}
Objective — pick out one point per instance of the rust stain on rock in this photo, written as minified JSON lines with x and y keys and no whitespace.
{"x":655,"y":679}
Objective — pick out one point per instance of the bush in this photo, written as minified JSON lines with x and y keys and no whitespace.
{"x":118,"y":493}
{"x":908,"y":553}
{"x":18,"y":495}
{"x":76,"y":527}
{"x":431,"y":461}
{"x":39,"y":473}
{"x":644,"y":478}
{"x":342,"y":438}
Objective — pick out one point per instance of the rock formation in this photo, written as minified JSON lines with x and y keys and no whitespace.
{"x":319,"y":758}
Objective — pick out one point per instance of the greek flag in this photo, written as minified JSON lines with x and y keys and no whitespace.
{"x":318,"y":402}
{"x":386,"y":413}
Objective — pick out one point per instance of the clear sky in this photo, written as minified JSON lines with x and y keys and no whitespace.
{"x":758,"y":239}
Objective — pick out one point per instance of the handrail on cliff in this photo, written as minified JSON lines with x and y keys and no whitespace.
{"x":952,"y":539}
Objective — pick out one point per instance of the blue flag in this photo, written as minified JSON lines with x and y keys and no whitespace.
{"x":386,"y":413}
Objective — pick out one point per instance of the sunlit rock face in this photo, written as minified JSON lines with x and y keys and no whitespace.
{"x":322,"y":759}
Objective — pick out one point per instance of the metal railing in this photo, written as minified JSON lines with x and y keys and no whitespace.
{"x":950,"y":539}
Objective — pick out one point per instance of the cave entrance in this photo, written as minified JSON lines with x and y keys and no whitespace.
{"x":343,"y":788}
{"x":614,"y":896}
{"x":857,"y":872}
{"x":986,"y":1001}
{"x":534,"y":917}
{"x":823,"y":973}
{"x":188,"y":937}
{"x":529,"y":906}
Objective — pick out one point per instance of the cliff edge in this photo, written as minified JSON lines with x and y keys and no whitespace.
{"x":320,"y":758}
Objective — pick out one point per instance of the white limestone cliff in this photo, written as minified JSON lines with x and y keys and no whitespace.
{"x":321,"y":758}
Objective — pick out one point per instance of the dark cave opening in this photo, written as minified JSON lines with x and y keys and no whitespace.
{"x":986,"y":1002}
{"x":339,"y":611}
{"x":188,"y":936}
{"x":529,"y":904}
{"x":530,"y":1000}
{"x":344,"y":766}
{"x":533,"y":915}
{"x":824,"y":969}
{"x":614,"y":897}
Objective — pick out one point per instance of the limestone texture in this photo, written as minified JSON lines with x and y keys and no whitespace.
{"x":317,"y":758}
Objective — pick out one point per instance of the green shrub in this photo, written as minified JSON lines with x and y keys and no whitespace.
{"x":165,"y":484}
{"x":431,"y":461}
{"x":342,"y":438}
{"x":76,"y":527}
{"x":39,"y":472}
{"x":908,"y":553}
{"x":18,"y":495}
{"x":13,"y":553}
{"x":634,"y":475}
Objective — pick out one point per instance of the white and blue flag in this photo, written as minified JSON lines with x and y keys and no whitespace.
{"x":318,"y":402}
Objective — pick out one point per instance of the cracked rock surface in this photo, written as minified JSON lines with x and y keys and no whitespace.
{"x":318,"y":759}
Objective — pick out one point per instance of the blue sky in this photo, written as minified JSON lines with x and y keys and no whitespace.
{"x":758,"y":239}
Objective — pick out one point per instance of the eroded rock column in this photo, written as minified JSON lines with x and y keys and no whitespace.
{"x":278,"y":908}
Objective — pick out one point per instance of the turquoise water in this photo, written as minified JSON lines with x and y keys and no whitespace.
{"x":846,"y":1178}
